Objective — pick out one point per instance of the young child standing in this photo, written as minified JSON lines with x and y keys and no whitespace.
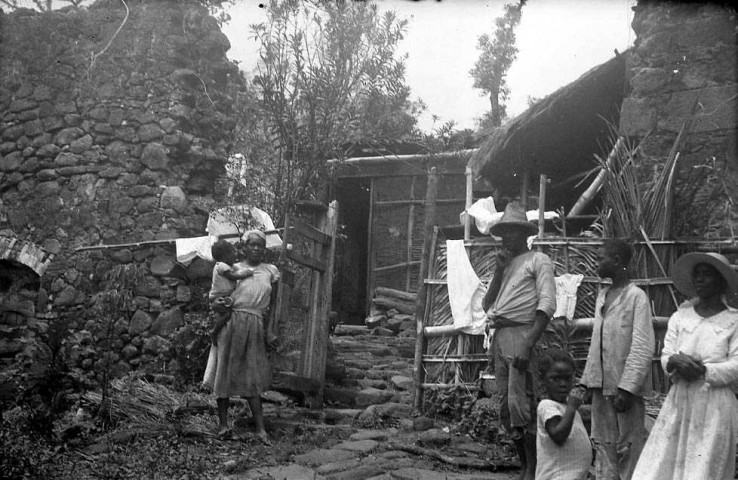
{"x":564,"y":449}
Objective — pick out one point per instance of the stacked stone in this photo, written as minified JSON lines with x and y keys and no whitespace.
{"x":114,"y":139}
{"x":683,"y":67}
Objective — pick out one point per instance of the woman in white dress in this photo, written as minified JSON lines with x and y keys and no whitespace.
{"x":694,"y":436}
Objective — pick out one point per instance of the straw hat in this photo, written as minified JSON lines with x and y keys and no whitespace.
{"x":513,"y":217}
{"x":682,"y":272}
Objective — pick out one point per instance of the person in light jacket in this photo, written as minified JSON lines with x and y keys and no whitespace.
{"x":618,"y":369}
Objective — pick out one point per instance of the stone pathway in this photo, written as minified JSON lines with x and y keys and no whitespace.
{"x":370,"y":385}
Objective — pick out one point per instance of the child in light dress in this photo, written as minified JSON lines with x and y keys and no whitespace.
{"x":562,"y":442}
{"x":225,"y":275}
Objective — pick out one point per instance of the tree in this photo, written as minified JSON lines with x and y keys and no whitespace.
{"x":494,"y":61}
{"x":328,"y":76}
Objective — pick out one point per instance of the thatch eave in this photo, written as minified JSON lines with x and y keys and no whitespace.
{"x":559,"y":135}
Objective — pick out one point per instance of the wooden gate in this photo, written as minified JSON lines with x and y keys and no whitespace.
{"x":312,"y":247}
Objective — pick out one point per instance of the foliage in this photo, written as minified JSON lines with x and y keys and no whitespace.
{"x":495,"y":58}
{"x":190,"y":347}
{"x":477,"y":417}
{"x":328,"y":76}
{"x":115,"y":299}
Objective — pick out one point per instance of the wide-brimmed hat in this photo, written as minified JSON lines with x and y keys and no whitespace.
{"x":513,"y":218}
{"x":682,"y":271}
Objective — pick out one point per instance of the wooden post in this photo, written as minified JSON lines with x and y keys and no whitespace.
{"x":410,"y":226}
{"x":541,"y":204}
{"x":524,"y":190}
{"x":430,"y":219}
{"x":468,"y":202}
{"x":370,"y":260}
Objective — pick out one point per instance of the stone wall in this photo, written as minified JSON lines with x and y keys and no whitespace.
{"x":683,"y":66}
{"x":114,"y":139}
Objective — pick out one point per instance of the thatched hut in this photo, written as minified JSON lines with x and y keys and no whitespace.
{"x":558,"y":137}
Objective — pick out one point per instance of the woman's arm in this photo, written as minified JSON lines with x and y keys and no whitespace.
{"x":725,"y":373}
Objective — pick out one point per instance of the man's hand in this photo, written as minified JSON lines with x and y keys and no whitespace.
{"x":623,"y":401}
{"x":521,"y":360}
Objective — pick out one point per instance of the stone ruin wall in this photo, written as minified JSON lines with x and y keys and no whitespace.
{"x":686,"y":54}
{"x":109,"y":142}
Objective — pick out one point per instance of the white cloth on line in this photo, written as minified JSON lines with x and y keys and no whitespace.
{"x":189,"y":248}
{"x":566,"y":294}
{"x":465,"y":290}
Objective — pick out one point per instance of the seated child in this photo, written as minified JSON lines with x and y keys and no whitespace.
{"x":225,"y":275}
{"x":562,"y":442}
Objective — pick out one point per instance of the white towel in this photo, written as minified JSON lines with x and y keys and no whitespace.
{"x":465,"y":290}
{"x":566,"y":294}
{"x":189,"y":248}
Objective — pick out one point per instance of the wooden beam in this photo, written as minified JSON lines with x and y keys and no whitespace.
{"x":370,"y":258}
{"x":468,"y":201}
{"x":394,"y":203}
{"x":308,"y":231}
{"x":431,"y":193}
{"x":409,"y":243}
{"x":306,"y":261}
{"x":396,"y":265}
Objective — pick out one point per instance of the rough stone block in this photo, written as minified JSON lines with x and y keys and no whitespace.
{"x":323,"y":456}
{"x":637,"y":117}
{"x":717,"y":109}
{"x":174,"y":198}
{"x":168,"y":322}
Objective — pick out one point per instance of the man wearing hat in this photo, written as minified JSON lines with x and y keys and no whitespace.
{"x":519,"y":303}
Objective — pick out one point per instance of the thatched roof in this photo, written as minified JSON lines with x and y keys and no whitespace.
{"x":557,"y":136}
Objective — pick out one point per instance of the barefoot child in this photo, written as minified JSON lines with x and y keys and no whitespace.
{"x":564,"y":450}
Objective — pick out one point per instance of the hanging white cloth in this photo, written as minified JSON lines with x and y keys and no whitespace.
{"x":566,"y":294}
{"x":189,"y":248}
{"x":465,"y":290}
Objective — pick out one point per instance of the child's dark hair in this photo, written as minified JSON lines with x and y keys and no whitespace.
{"x":220,"y":250}
{"x":619,"y":247}
{"x":551,"y":356}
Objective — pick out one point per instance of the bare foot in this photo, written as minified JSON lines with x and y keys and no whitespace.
{"x":224,"y":431}
{"x":264,"y":438}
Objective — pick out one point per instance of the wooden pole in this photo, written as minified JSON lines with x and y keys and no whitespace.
{"x":596,"y":185}
{"x":524,"y":190}
{"x":542,"y":204}
{"x":370,"y":260}
{"x":468,"y":202}
{"x":410,"y":227}
{"x":430,"y":220}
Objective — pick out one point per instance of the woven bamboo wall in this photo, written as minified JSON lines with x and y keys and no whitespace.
{"x":569,"y":255}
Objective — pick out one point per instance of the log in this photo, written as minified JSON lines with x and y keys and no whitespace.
{"x":464,"y":462}
{"x":399,"y":294}
{"x":389,"y":303}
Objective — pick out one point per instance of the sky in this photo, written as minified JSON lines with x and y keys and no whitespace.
{"x":557,"y":40}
